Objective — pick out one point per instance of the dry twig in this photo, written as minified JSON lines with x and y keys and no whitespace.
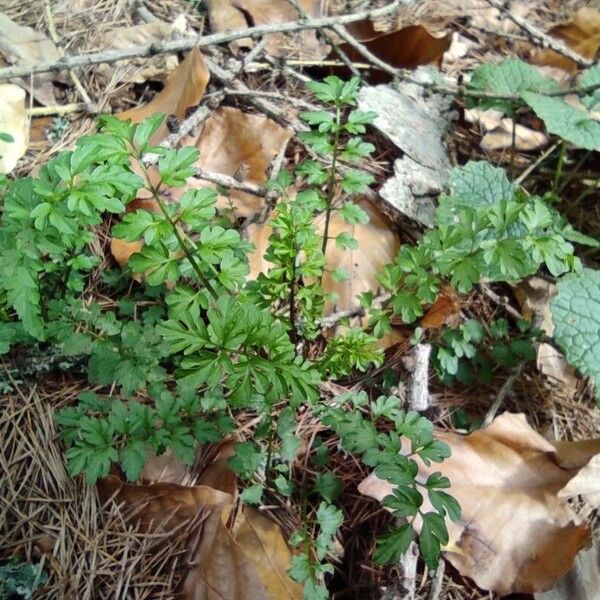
{"x":539,"y":37}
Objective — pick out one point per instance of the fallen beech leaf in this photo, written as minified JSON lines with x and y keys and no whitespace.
{"x":231,"y":141}
{"x":13,"y":122}
{"x":534,"y":295}
{"x":516,"y":534}
{"x":377,"y":246}
{"x":184,"y":88}
{"x":526,"y":139}
{"x":224,"y":571}
{"x":443,"y":311}
{"x":231,"y":15}
{"x":164,"y":504}
{"x":406,"y":48}
{"x":122,"y":38}
{"x":581,"y":34}
{"x":122,"y":249}
{"x":499,"y":131}
{"x":26,"y":46}
{"x":581,"y":582}
{"x":238,"y":558}
{"x":262,"y":542}
{"x":586,"y":483}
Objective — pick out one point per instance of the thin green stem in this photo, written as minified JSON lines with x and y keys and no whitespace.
{"x":573,"y":172}
{"x":332,"y":175}
{"x":559,"y":167}
{"x":513,"y":147}
{"x":163,"y":209}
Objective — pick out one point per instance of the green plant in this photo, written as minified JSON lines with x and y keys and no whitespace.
{"x":472,"y":349}
{"x":487,"y":230}
{"x":20,"y":579}
{"x":177,"y":356}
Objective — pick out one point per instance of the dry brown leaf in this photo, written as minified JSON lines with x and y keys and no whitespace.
{"x":164,"y":504}
{"x":406,"y":48}
{"x":501,"y":137}
{"x":232,"y":142}
{"x":534,"y":295}
{"x":516,"y":534}
{"x":238,"y":558}
{"x":443,"y":311}
{"x":232,"y":15}
{"x":581,"y":34}
{"x":377,"y":245}
{"x":184,"y":89}
{"x":499,"y":131}
{"x":25,"y":46}
{"x":14,"y":122}
{"x":123,"y":38}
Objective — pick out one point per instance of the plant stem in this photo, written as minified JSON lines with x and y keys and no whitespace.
{"x":156,"y":197}
{"x":513,"y":147}
{"x":331,"y":181}
{"x":559,"y":167}
{"x":205,"y":281}
{"x":292,"y":301}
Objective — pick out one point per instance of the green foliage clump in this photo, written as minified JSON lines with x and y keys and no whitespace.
{"x":175,"y":358}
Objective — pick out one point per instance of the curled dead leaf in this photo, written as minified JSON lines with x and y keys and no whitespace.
{"x":444,"y":311}
{"x":516,"y":533}
{"x":184,"y":88}
{"x":378,"y":244}
{"x":534,"y":295}
{"x":122,"y":38}
{"x":405,"y":48}
{"x":581,"y":34}
{"x":240,"y":554}
{"x":499,"y":132}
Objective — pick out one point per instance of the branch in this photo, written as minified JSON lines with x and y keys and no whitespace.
{"x":538,"y":36}
{"x":174,"y":46}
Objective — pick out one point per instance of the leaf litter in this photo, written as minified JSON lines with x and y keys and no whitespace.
{"x":252,"y":164}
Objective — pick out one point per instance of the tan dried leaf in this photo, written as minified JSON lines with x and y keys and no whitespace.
{"x":534,"y":295}
{"x":378,"y":244}
{"x":14,"y":122}
{"x":501,"y":137}
{"x":581,"y":34}
{"x":238,"y":557}
{"x":232,"y":15}
{"x":516,"y":534}
{"x":123,"y":38}
{"x":231,"y":141}
{"x":499,"y":131}
{"x":444,"y":311}
{"x":184,"y":89}
{"x":26,"y":46}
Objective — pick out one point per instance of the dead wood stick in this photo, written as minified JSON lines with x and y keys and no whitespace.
{"x":174,"y":46}
{"x":539,"y":37}
{"x":409,"y":570}
{"x":438,"y":580}
{"x":419,"y":384}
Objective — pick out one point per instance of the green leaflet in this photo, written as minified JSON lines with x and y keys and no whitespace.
{"x":576,"y":316}
{"x":570,"y":123}
{"x":510,"y":77}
